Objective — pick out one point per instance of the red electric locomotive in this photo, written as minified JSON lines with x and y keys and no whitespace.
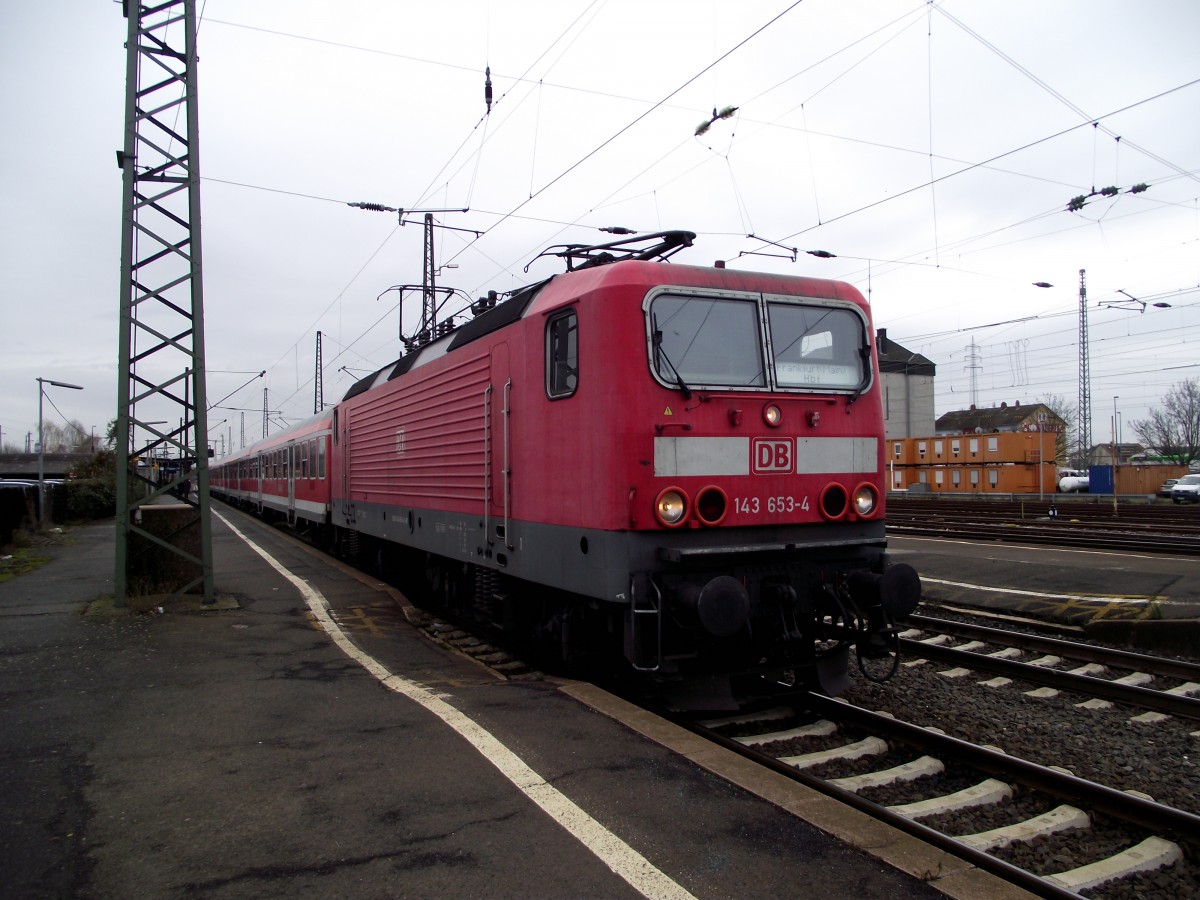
{"x":678,"y":464}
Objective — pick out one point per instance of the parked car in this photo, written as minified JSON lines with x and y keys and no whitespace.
{"x":1072,"y":481}
{"x":1165,"y":490}
{"x":1186,"y":489}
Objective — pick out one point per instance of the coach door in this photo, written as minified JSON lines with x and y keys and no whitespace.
{"x":341,"y":437}
{"x":260,"y":462}
{"x":293,"y":456}
{"x":498,"y":448}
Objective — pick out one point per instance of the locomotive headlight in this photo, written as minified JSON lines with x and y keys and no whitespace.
{"x":772,"y":415}
{"x":671,"y":507}
{"x":865,"y":500}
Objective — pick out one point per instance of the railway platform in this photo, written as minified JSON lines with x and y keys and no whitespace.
{"x":1148,"y":602}
{"x":301,"y":738}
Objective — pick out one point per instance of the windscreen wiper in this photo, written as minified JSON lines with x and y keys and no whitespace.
{"x":865,"y":353}
{"x":660,"y":353}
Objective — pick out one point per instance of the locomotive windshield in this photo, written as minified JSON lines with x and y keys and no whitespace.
{"x":719,"y":342}
{"x":704,"y":340}
{"x":816,"y":347}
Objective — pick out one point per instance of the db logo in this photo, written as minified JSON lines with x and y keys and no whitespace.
{"x":772,"y":456}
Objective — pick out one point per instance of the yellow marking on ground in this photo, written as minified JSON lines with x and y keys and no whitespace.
{"x":367,"y":619}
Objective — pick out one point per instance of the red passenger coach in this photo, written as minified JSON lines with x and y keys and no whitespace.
{"x":682,"y":465}
{"x":284,"y":476}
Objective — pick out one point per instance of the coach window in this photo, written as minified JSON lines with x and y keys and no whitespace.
{"x":312,"y":458}
{"x":321,"y":457}
{"x":562,"y":355}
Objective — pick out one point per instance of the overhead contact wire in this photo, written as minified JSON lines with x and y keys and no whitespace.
{"x":575,"y":165}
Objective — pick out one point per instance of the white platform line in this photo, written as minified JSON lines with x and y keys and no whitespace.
{"x":1040,"y":594}
{"x":622,"y":859}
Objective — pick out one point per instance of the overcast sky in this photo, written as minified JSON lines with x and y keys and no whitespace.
{"x":932,"y":147}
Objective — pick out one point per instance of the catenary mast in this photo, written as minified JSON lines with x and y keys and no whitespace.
{"x":1085,"y":378}
{"x":161,"y":396}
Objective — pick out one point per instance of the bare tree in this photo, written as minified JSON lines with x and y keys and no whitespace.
{"x":1174,"y":430}
{"x":53,"y":438}
{"x":1068,"y":411}
{"x":68,"y":438}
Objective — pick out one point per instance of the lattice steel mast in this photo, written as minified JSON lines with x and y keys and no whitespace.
{"x":1085,"y":378}
{"x":319,"y":381}
{"x":428,"y":284}
{"x":161,"y":355}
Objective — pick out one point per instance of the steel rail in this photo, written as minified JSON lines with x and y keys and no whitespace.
{"x":1122,"y":659}
{"x":1185,"y":546}
{"x":1114,"y":531}
{"x":1103,"y":526}
{"x":1146,"y":698}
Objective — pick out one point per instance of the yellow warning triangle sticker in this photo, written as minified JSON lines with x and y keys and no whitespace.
{"x":667,"y":412}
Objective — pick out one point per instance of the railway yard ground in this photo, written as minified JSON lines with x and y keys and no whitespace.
{"x":1134,"y":595}
{"x":304,"y":738}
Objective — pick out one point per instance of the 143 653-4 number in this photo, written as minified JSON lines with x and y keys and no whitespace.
{"x":752,"y":505}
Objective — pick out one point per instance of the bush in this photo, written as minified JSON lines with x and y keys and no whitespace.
{"x":91,"y":498}
{"x":92,"y":491}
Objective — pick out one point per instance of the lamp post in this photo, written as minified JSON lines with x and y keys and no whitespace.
{"x":42,"y":382}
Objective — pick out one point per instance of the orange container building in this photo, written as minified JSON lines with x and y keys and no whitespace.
{"x":1021,"y":462}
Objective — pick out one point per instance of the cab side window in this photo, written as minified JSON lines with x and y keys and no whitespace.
{"x":562,"y":355}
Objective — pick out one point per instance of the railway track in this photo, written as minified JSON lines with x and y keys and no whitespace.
{"x":980,"y":803}
{"x":1139,"y":528}
{"x":1138,"y":685}
{"x":1020,"y":812}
